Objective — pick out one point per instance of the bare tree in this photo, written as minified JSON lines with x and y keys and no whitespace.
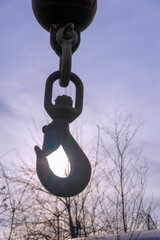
{"x":36,"y":214}
{"x":13,"y":198}
{"x":113,"y":202}
{"x":124,"y":176}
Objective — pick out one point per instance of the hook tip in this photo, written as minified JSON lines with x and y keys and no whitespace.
{"x":39,"y":153}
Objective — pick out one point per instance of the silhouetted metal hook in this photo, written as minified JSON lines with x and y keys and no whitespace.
{"x":56,"y":134}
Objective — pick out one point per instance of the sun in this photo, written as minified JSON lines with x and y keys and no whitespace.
{"x":59,"y":163}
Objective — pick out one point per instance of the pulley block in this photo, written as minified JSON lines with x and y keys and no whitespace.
{"x":61,"y":12}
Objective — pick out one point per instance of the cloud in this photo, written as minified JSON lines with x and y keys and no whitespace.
{"x":5,"y":110}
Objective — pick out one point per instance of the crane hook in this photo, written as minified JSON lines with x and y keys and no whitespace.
{"x":57,"y":133}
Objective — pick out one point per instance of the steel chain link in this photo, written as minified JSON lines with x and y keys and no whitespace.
{"x":68,"y":39}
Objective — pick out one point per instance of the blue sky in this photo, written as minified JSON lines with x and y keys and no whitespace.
{"x":118,"y":61}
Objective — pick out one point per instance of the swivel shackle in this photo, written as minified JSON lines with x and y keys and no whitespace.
{"x":63,"y":111}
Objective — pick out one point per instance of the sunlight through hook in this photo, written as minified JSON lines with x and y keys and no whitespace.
{"x":57,"y":133}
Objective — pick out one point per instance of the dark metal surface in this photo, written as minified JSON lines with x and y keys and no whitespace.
{"x":63,"y":111}
{"x":56,"y":46}
{"x":61,"y":12}
{"x":141,"y":235}
{"x":67,"y":38}
{"x":65,"y":19}
{"x":56,"y":134}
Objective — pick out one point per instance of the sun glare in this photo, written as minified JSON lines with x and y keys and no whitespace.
{"x":58,"y":162}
